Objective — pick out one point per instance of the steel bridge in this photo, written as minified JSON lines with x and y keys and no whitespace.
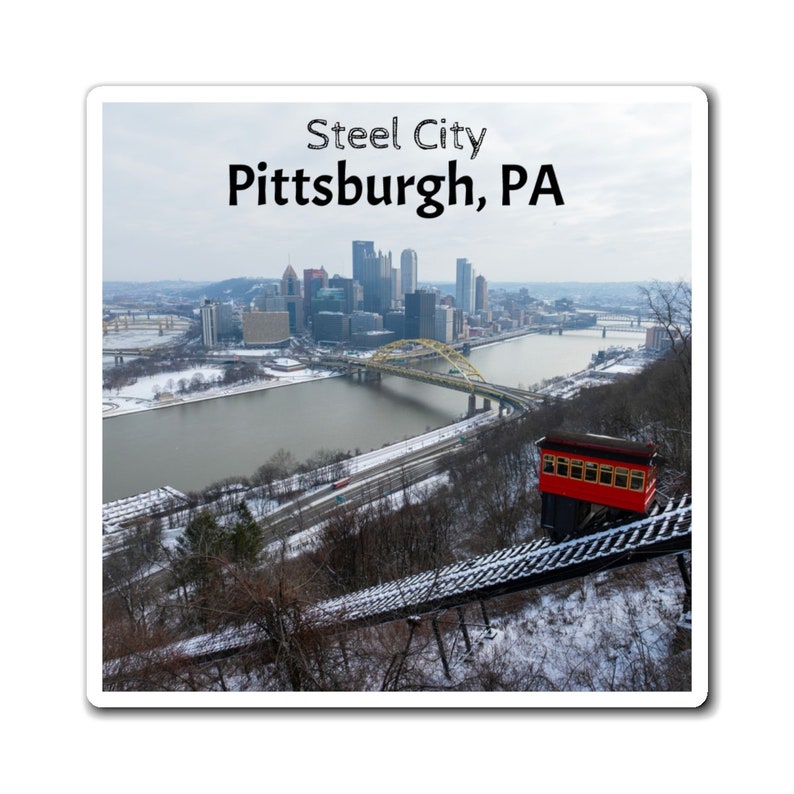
{"x":397,"y":358}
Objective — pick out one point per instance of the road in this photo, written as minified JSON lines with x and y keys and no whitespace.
{"x":377,"y":482}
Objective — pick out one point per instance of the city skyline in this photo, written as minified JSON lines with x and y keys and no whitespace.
{"x":623,"y":167}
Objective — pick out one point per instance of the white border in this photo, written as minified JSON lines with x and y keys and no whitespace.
{"x":528,"y":94}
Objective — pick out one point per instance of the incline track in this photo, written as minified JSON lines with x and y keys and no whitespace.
{"x":666,"y":531}
{"x":514,"y":569}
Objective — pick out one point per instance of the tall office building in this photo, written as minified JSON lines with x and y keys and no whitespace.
{"x":443,"y":330}
{"x":458,"y":326}
{"x":224,"y":313}
{"x":361,"y":250}
{"x":290,"y":285}
{"x":480,"y":294}
{"x":397,"y":293}
{"x":293,"y":301}
{"x":313,"y":280}
{"x":408,"y":271}
{"x":209,"y":324}
{"x":464,"y":286}
{"x":420,"y":310}
{"x":376,"y":282}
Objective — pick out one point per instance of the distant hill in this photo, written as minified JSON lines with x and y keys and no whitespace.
{"x":582,"y":293}
{"x":155,"y":291}
{"x":590,"y":294}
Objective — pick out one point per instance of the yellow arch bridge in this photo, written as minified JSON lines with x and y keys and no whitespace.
{"x":399,"y":358}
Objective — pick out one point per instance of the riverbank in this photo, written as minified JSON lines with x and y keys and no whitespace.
{"x":155,"y":392}
{"x":152,"y":392}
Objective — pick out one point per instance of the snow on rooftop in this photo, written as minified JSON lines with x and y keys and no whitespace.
{"x":141,"y":505}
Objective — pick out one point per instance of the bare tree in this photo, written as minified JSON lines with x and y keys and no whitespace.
{"x":670,"y":305}
{"x":129,"y":593}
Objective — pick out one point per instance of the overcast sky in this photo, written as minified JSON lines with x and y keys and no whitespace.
{"x":624,"y":171}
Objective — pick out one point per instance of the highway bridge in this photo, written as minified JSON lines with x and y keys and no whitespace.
{"x":399,"y":358}
{"x":119,"y":353}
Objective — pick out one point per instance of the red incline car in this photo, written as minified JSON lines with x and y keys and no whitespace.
{"x":581,"y":472}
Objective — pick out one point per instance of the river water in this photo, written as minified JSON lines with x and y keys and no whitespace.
{"x":190,"y":446}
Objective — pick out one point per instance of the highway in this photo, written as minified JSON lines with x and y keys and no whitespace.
{"x":383,"y":479}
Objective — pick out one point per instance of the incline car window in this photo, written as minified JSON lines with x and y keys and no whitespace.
{"x":606,"y":475}
{"x":591,"y":472}
{"x":548,"y":464}
{"x":562,"y":467}
{"x":576,"y":469}
{"x":637,"y":480}
{"x":621,"y":478}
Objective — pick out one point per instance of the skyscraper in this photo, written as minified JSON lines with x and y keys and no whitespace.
{"x":224,"y":313}
{"x":408,"y":271}
{"x":444,"y":329}
{"x":480,"y":294}
{"x":293,"y":302}
{"x":464,"y":286}
{"x":290,"y":285}
{"x":397,"y":293}
{"x":361,"y":250}
{"x":313,"y":280}
{"x":420,"y":308}
{"x":209,"y":324}
{"x":376,"y":282}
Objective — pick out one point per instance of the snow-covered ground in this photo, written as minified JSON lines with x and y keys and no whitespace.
{"x":141,"y":395}
{"x":616,"y":631}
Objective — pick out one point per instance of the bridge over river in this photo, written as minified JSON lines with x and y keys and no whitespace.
{"x":399,"y":358}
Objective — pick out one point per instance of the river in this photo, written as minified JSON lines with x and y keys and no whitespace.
{"x":192,"y":445}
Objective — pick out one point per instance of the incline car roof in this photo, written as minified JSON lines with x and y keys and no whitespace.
{"x":597,"y":442}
